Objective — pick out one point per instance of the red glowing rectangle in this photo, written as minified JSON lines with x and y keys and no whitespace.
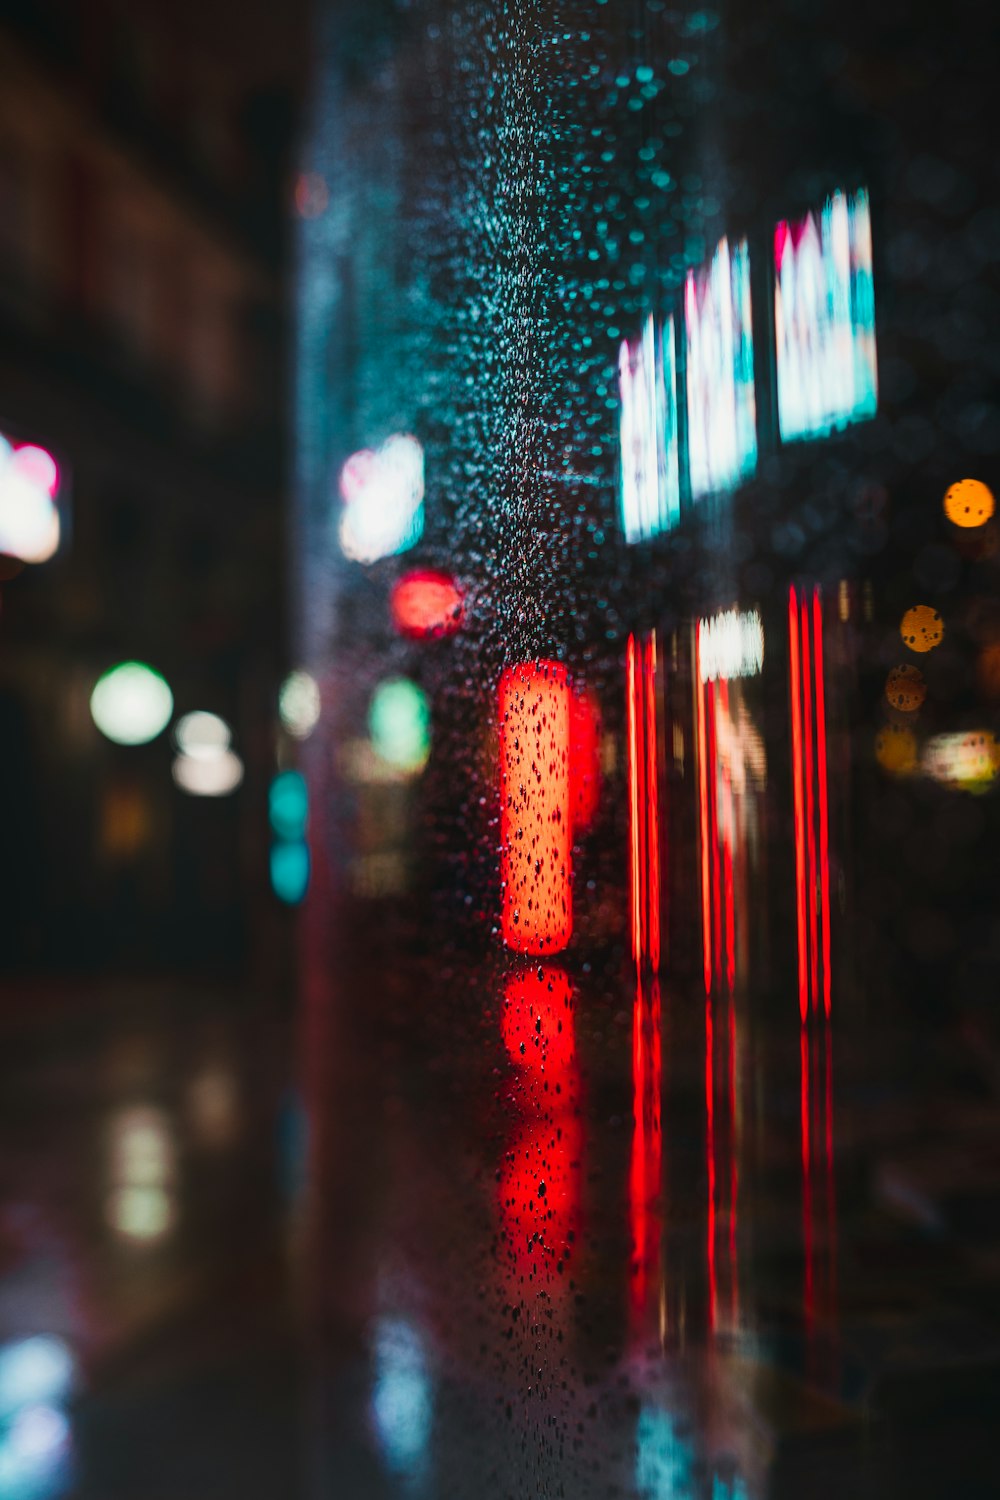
{"x":535,"y":822}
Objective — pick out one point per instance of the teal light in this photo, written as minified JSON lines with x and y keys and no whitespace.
{"x":288,"y":804}
{"x":290,"y":871}
{"x":399,"y":723}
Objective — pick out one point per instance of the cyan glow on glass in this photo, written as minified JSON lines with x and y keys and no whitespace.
{"x":402,"y":1400}
{"x":399,"y":723}
{"x":290,"y":870}
{"x":34,"y":1371}
{"x":663,"y":1461}
{"x":721,"y":404}
{"x":288,"y":804}
{"x":650,"y":470}
{"x":824,"y":319}
{"x":35,"y":1454}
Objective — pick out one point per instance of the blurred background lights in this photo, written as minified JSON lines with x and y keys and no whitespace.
{"x":426,"y":604}
{"x":203,"y":736}
{"x":131,"y":703}
{"x":399,"y":724}
{"x":922,"y":628}
{"x":35,"y":1454}
{"x":33,"y":1371}
{"x":383,"y":492}
{"x":299,"y":704}
{"x":906,"y":689}
{"x":969,"y":503}
{"x":290,"y":870}
{"x":896,"y":750}
{"x":140,"y":1205}
{"x":29,"y":519}
{"x":288,"y":804}
{"x":968,"y":761}
{"x":208,"y":776}
{"x":402,"y":1401}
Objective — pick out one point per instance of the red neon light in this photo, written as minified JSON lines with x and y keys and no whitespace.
{"x":713,"y":1288}
{"x":800,"y":842}
{"x":644,"y":803}
{"x":706,"y":920}
{"x":537,"y":1022}
{"x":535,"y":850}
{"x":636,"y":824}
{"x":645,"y":1171}
{"x":711,"y":716}
{"x":653,"y":807}
{"x":812,"y":883}
{"x":426,"y":605}
{"x":728,"y":830}
{"x":824,"y":803}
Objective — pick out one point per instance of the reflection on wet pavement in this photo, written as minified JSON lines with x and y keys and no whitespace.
{"x":563,"y":1292}
{"x":144,"y":1247}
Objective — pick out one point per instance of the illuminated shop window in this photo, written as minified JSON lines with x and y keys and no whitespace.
{"x":824,"y":319}
{"x":650,"y":483}
{"x":722,"y":413}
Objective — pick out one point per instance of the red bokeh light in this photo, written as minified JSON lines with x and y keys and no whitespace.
{"x":427,"y":605}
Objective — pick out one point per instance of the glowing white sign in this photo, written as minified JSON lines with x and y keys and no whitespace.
{"x":722,"y":412}
{"x":824,"y":319}
{"x":731,"y":645}
{"x":650,"y":482}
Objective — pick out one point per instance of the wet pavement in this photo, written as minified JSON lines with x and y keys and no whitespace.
{"x":528,"y":1244}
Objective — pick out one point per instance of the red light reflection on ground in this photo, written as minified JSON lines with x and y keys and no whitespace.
{"x":819,"y":1205}
{"x":647,"y":1139}
{"x":427,"y":605}
{"x":537,"y":1022}
{"x":538,"y":1181}
{"x":535,"y":832}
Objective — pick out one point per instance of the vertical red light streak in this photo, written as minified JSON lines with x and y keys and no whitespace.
{"x":800,"y":847}
{"x":653,"y":806}
{"x":824,"y":803}
{"x":812,"y":882}
{"x":636,"y":824}
{"x":706,"y":919}
{"x":807,"y":1215}
{"x":734,"y":1283}
{"x":711,"y":712}
{"x":728,"y":829}
{"x":713,"y":1288}
{"x":645,"y":1172}
{"x":535,"y":832}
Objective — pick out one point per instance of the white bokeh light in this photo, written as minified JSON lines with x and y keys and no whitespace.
{"x":131,"y":704}
{"x":299,"y":704}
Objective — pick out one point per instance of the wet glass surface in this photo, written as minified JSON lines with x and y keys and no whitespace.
{"x":636,"y":804}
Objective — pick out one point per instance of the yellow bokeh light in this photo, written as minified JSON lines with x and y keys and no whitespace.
{"x":906,"y":689}
{"x":896,"y":750}
{"x":969,"y":503}
{"x":922,"y":628}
